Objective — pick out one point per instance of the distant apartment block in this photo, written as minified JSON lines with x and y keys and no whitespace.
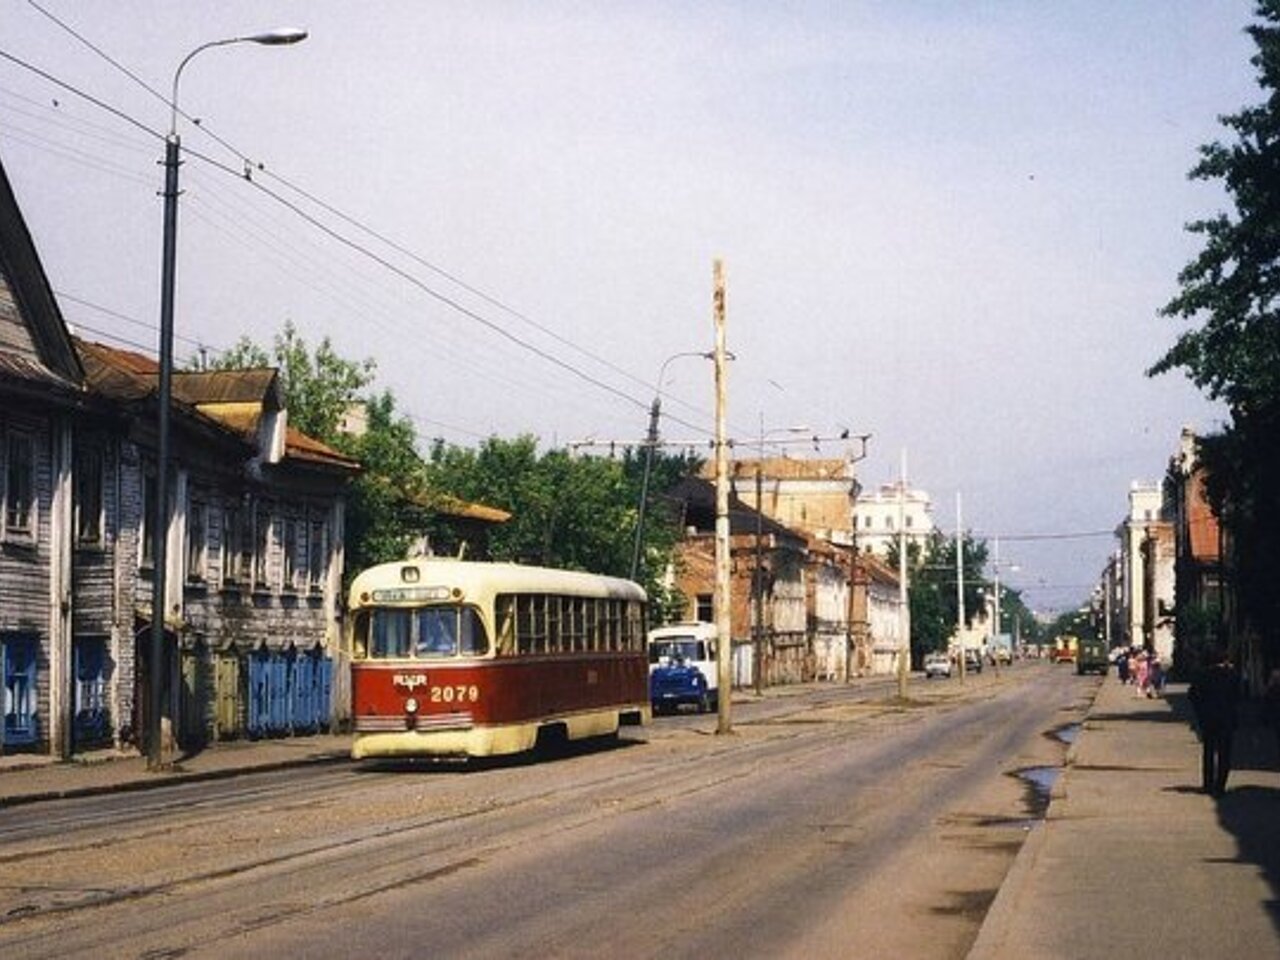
{"x":891,"y":510}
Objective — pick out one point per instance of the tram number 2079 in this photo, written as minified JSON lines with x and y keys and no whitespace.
{"x":457,"y":693}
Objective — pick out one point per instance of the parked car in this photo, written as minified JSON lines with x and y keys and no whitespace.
{"x":937,"y":665}
{"x":677,"y":683}
{"x":972,"y":661}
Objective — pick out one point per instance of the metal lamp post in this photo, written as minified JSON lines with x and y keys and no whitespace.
{"x":160,"y":512}
{"x":651,"y":441}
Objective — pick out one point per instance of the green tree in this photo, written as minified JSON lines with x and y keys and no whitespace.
{"x":932,"y":595}
{"x":575,"y":512}
{"x":1231,"y":293}
{"x":388,"y":507}
{"x":319,"y":387}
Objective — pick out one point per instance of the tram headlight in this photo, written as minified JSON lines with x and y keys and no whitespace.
{"x":411,"y":705}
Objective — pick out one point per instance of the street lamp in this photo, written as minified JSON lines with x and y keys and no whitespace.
{"x":655,"y":409}
{"x":159,"y":532}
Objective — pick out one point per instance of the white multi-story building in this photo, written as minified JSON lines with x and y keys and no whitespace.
{"x":893,"y":509}
{"x":1146,"y":562}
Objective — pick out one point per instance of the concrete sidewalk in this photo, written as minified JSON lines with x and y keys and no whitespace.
{"x":30,"y":779}
{"x":1133,"y":859}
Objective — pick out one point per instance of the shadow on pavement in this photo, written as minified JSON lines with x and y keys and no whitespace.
{"x":1248,"y":812}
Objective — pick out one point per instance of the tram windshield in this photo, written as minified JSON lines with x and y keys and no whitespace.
{"x":434,"y":632}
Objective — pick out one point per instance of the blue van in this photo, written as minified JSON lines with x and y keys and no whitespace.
{"x":682,"y":667}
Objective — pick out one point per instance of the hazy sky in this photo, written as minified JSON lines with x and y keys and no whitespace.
{"x":947,"y":224}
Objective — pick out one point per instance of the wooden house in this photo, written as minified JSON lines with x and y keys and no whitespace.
{"x":255,"y":540}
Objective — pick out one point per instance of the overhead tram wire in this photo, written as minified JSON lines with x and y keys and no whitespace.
{"x":63,"y":85}
{"x":70,"y":154}
{"x":250,"y":165}
{"x":1034,"y":537}
{"x":144,"y":324}
{"x":437,"y":295}
{"x":52,"y":114}
{"x":315,"y":222}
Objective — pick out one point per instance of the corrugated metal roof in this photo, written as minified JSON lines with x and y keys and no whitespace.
{"x":302,"y":447}
{"x":259,"y":386}
{"x":232,"y":399}
{"x":18,"y":367}
{"x":113,"y":373}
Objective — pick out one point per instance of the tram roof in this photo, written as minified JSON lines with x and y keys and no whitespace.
{"x":474,"y":577}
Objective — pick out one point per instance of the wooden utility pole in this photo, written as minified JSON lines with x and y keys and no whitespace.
{"x":724,"y":626}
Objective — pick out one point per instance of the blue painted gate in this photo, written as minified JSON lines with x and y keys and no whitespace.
{"x":21,"y":672}
{"x":91,"y":726}
{"x":289,"y":691}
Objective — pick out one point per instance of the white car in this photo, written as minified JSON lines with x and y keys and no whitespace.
{"x":937,"y":665}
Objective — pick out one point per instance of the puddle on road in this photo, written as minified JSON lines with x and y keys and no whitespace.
{"x":1066,"y":733}
{"x":1039,"y":783}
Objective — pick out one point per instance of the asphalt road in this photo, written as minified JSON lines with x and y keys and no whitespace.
{"x":830,"y":822}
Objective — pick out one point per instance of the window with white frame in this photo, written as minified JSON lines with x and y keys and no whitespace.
{"x":20,"y":487}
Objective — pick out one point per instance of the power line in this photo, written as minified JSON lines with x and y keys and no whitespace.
{"x":249,"y":165}
{"x":1031,"y":537}
{"x":63,"y":85}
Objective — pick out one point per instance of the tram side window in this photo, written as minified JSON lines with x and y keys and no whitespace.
{"x":609,"y":634}
{"x":554,"y":640}
{"x":505,"y":618}
{"x":575,"y":623}
{"x":591,"y":624}
{"x":390,"y":636}
{"x":635,"y":626}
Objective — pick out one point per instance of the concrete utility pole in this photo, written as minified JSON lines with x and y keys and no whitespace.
{"x":904,"y":610}
{"x":960,"y":584}
{"x":651,"y":441}
{"x":757,"y":574}
{"x":724,"y":626}
{"x":995,"y":633}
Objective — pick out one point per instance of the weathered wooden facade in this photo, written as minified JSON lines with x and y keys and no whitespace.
{"x":255,"y":540}
{"x":40,"y":403}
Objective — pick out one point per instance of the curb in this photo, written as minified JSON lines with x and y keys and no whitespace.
{"x":995,"y":925}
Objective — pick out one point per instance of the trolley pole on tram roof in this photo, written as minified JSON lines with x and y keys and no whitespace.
{"x":724,"y":626}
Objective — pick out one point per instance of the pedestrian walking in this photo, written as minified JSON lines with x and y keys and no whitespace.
{"x":1155,"y":678}
{"x":1143,"y":669}
{"x":1215,"y":694}
{"x":1122,"y":667}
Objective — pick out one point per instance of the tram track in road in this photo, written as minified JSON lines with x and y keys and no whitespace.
{"x":120,"y":812}
{"x":501,"y":812}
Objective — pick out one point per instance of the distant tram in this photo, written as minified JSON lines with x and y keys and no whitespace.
{"x":457,"y":658}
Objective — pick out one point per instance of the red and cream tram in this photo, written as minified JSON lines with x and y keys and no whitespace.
{"x":455,"y":658}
